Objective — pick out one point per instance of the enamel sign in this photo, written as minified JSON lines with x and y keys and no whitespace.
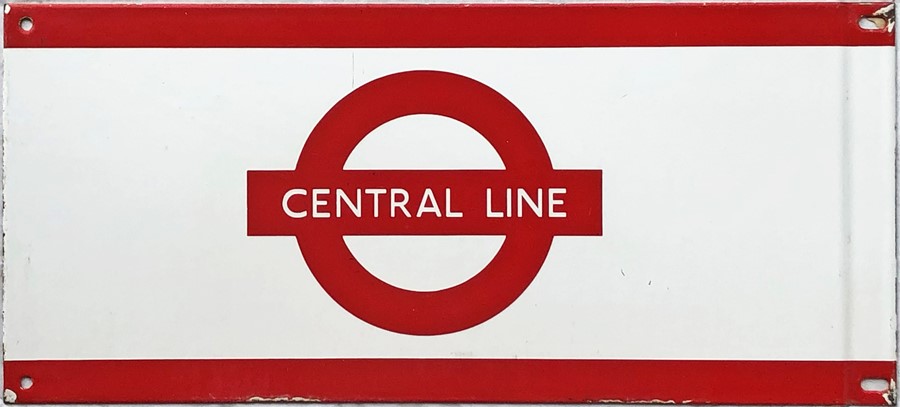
{"x":571,"y":203}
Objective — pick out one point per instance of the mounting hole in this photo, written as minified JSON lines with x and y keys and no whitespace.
{"x":878,"y":385}
{"x":26,"y":382}
{"x":872,"y":23}
{"x":26,"y":24}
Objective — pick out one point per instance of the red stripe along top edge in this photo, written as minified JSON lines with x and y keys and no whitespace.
{"x":441,"y":25}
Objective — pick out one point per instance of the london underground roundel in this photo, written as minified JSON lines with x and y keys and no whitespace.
{"x":319,"y":202}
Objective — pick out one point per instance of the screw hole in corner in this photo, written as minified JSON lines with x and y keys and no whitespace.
{"x":26,"y":382}
{"x":26,"y":24}
{"x":876,"y":385}
{"x":870,"y":23}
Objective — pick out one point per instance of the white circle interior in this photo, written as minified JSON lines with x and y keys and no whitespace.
{"x":424,"y":142}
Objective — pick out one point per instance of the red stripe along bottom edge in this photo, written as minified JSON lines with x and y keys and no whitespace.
{"x":448,"y":380}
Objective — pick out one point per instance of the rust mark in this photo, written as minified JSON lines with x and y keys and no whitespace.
{"x":883,"y":17}
{"x":9,"y":396}
{"x":890,"y":395}
{"x":258,"y":399}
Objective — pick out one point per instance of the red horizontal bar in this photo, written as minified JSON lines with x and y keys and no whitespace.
{"x":448,"y":380}
{"x":418,"y":25}
{"x":578,"y":208}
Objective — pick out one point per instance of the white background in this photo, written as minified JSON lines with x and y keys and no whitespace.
{"x":661,"y":310}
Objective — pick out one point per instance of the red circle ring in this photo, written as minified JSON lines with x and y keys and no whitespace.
{"x":521,"y":255}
